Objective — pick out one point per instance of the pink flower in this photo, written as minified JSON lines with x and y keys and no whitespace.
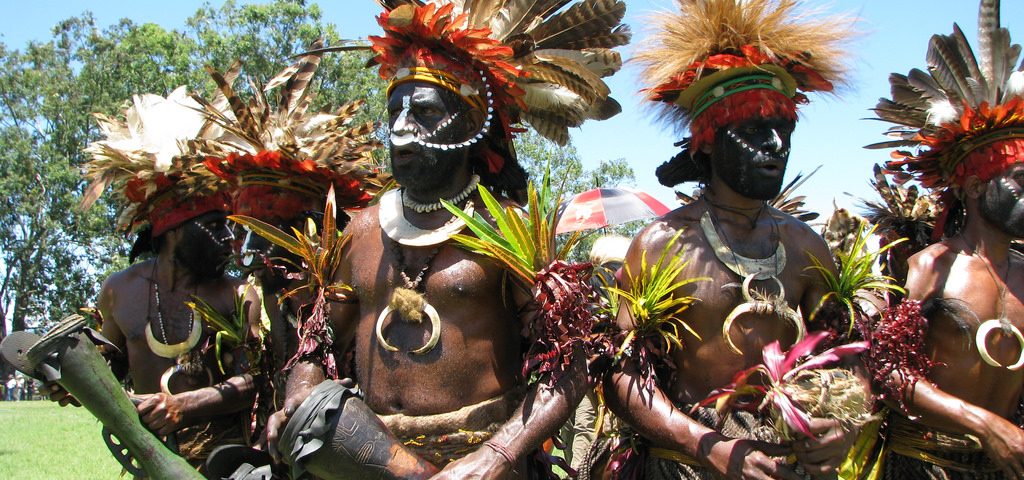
{"x":779,"y":369}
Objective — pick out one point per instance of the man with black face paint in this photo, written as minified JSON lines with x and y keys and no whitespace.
{"x":166,"y":352}
{"x":957,"y":389}
{"x":162,"y":338}
{"x":434,"y":329}
{"x":740,"y":104}
{"x":170,"y":366}
{"x":288,"y":187}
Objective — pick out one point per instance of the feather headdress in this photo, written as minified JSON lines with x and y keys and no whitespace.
{"x":717,"y":62}
{"x":528,"y":60}
{"x":148,"y":156}
{"x":965,"y":114}
{"x":904,"y":211}
{"x":280,"y":157}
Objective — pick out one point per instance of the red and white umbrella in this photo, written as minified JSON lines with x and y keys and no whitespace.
{"x":602,"y":207}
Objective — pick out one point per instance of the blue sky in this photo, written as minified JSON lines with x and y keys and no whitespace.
{"x":831,"y":131}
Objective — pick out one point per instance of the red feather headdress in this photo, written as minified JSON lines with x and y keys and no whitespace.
{"x":280,"y":160}
{"x":719,"y":62}
{"x":965,"y":115}
{"x":540,"y":63}
{"x":148,"y":157}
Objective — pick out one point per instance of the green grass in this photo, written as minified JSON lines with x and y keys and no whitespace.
{"x":41,"y":440}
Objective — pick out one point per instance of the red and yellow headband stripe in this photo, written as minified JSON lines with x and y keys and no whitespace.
{"x":440,"y":78}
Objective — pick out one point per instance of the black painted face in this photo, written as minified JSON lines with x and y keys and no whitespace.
{"x":426,"y":112}
{"x":205,"y":245}
{"x":751,"y":157}
{"x":268,"y":261}
{"x":1002,"y":203}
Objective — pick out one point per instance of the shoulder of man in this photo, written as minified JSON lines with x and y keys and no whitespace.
{"x":363,"y":220}
{"x":935,"y":257}
{"x":135,"y":272}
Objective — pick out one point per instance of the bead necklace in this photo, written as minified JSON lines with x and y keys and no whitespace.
{"x":164,"y":348}
{"x":432,"y":207}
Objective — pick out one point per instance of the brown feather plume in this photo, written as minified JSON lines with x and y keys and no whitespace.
{"x":778,"y":28}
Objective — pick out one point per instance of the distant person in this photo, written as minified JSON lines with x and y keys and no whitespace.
{"x":10,"y":386}
{"x":21,"y":391}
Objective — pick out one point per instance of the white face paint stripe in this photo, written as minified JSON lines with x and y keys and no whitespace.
{"x":403,"y":136}
{"x":221,"y":241}
{"x":777,"y":141}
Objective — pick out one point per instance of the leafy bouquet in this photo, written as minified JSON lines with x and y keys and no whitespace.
{"x":794,"y":387}
{"x":523,"y":242}
{"x":232,"y":331}
{"x":654,"y":308}
{"x":319,"y":256}
{"x":855,"y":281}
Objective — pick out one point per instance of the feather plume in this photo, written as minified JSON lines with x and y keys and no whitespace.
{"x":602,"y":62}
{"x":988,"y":26}
{"x":976,"y":79}
{"x":581,"y":20}
{"x":781,"y":30}
{"x":246,"y":123}
{"x":522,"y":15}
{"x":949,"y":70}
{"x":145,"y":150}
{"x":295,"y":86}
{"x":963,"y":98}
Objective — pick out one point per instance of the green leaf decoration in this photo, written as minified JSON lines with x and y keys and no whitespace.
{"x":231,"y":332}
{"x":856,"y":277}
{"x":523,"y":241}
{"x":320,"y":253}
{"x":652,"y":302}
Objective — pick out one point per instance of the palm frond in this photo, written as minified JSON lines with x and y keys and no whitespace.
{"x":320,"y":253}
{"x":522,"y":241}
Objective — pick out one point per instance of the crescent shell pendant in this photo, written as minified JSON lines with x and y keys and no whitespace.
{"x":396,"y":227}
{"x":175,"y":350}
{"x":165,"y":379}
{"x":435,"y":330}
{"x":981,"y":337}
{"x":747,"y":306}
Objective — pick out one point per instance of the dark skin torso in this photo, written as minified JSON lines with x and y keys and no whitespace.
{"x":966,"y":395}
{"x":192,"y":400}
{"x":947,"y":270}
{"x":707,"y":363}
{"x":124,"y":300}
{"x":478,"y":355}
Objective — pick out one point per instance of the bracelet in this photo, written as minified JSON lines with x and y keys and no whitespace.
{"x":503,"y":451}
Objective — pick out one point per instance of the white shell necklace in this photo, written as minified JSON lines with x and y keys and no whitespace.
{"x":433,"y":207}
{"x":164,"y":348}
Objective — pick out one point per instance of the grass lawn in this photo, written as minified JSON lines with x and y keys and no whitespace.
{"x":41,"y":440}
